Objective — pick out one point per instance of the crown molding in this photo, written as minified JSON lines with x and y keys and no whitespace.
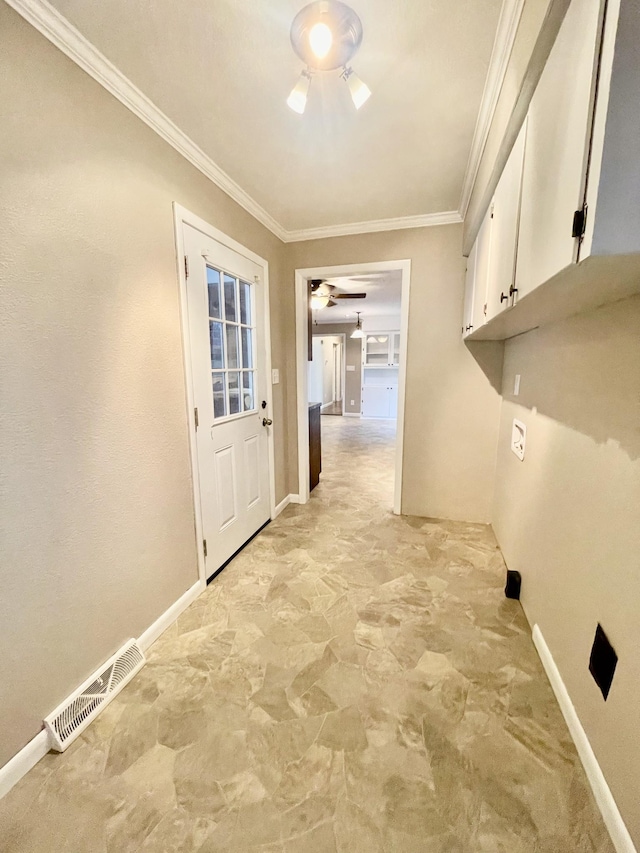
{"x":61,"y":33}
{"x":510,"y":15}
{"x":447,"y":217}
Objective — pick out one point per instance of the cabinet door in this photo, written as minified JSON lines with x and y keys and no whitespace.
{"x":504,"y":230}
{"x":393,"y":402}
{"x":469,"y":285}
{"x":557,"y":143}
{"x":395,"y":349}
{"x":481,"y":278}
{"x":375,"y":401}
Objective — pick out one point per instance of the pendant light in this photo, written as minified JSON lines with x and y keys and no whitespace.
{"x":326,"y":35}
{"x":357,"y":332}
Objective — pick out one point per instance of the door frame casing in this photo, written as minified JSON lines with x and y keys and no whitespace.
{"x":301,"y":295}
{"x":182,"y":216}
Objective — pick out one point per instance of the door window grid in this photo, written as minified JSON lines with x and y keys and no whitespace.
{"x":232,"y":343}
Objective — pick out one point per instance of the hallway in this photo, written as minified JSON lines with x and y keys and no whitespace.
{"x":353,"y":681}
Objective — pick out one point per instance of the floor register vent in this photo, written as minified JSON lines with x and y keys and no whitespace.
{"x":73,"y":716}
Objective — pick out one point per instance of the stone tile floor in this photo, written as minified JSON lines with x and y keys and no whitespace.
{"x":352,"y":682}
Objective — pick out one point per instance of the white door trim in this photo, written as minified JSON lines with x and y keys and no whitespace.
{"x":346,"y":270}
{"x":182,"y":216}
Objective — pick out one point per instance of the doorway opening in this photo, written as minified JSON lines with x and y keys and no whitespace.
{"x":359,"y":375}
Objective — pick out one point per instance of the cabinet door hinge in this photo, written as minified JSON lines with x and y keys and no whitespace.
{"x":195,"y":417}
{"x":186,"y":267}
{"x":579,"y":222}
{"x":204,"y":546}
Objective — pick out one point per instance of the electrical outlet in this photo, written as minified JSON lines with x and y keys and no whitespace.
{"x":353,"y":402}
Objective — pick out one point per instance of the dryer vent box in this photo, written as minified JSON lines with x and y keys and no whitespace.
{"x":603,"y":661}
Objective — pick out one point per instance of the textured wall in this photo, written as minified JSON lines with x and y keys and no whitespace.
{"x":452,"y":409}
{"x":97,"y":518}
{"x":567,"y":517}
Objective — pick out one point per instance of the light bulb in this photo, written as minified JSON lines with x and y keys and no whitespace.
{"x":320,"y":39}
{"x":297,"y":100}
{"x":360,"y":92}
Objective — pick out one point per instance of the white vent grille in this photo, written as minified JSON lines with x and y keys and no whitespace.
{"x":76,"y":712}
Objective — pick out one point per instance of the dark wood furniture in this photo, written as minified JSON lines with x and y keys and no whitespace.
{"x":315,"y":451}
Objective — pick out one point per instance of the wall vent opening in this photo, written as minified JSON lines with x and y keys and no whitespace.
{"x":603,"y":661}
{"x":73,"y":715}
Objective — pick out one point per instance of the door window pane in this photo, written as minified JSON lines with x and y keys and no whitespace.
{"x":247,"y":348}
{"x":245,"y":303}
{"x":230,"y":312}
{"x":213,"y":286}
{"x":215,"y":342}
{"x":234,"y":393}
{"x":247,"y":391}
{"x":233,"y":357}
{"x":219,"y":396}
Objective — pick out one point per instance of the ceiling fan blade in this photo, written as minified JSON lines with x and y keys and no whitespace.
{"x":348,"y":295}
{"x":330,"y":304}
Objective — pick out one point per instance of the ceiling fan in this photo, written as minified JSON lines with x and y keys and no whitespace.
{"x":324,"y":295}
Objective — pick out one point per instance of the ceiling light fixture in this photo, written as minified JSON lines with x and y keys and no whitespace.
{"x":326,"y":35}
{"x":357,"y":332}
{"x":319,"y":302}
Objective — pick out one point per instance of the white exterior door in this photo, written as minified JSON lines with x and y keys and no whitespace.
{"x":226,"y":320}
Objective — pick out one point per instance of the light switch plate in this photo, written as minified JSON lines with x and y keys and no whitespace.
{"x":518,"y":438}
{"x":516,"y":385}
{"x":275,"y":376}
{"x":351,"y":368}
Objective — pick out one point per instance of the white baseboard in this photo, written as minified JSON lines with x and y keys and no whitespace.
{"x":294,"y":499}
{"x":20,"y":764}
{"x":169,"y":616}
{"x":284,"y":503}
{"x":603,"y":796}
{"x":352,"y":414}
{"x":28,"y":757}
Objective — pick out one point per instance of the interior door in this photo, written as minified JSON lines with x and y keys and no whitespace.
{"x":225,"y":303}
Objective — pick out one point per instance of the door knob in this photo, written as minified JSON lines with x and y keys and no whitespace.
{"x":512,"y":290}
{"x":503,"y":297}
{"x":266,"y":422}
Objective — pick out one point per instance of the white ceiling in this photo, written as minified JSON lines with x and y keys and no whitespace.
{"x":222,"y":69}
{"x":383,"y":291}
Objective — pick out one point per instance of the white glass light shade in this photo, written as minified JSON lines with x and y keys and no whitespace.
{"x":320,"y":39}
{"x":357,"y":332}
{"x":297,"y":100}
{"x":318,"y":302}
{"x":360,"y":92}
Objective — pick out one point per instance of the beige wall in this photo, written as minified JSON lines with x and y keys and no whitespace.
{"x":452,"y":409}
{"x":98,"y":530}
{"x":353,"y":355}
{"x":568,"y":516}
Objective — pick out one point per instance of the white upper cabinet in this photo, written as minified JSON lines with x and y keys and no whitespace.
{"x":504,"y":231}
{"x":483,"y":269}
{"x":566,"y":210}
{"x":382,"y":349}
{"x":613,"y":189}
{"x":469,"y":287}
{"x":558,"y":134}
